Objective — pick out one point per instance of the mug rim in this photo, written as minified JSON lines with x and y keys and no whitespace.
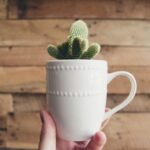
{"x":76,"y":60}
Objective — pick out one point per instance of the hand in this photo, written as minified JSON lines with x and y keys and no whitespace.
{"x":50,"y":141}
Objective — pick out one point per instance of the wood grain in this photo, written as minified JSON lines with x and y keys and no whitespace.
{"x":3,"y":9}
{"x":38,"y":56}
{"x":24,"y":56}
{"x":6,"y":104}
{"x":29,"y":102}
{"x":22,"y":79}
{"x":122,"y":128}
{"x":128,"y":131}
{"x":2,"y":139}
{"x":122,"y":85}
{"x":139,"y":104}
{"x":32,"y":80}
{"x":3,"y":122}
{"x":23,"y":130}
{"x":106,"y":32}
{"x":128,"y":9}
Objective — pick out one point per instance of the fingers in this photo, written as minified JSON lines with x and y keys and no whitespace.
{"x":97,"y":142}
{"x":48,"y":132}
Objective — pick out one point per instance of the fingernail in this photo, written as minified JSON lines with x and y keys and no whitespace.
{"x":107,"y":109}
{"x":42,"y":117}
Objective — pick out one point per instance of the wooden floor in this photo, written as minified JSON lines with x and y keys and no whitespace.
{"x":28,"y":26}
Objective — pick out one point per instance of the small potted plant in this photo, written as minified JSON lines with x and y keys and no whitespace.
{"x":77,"y":86}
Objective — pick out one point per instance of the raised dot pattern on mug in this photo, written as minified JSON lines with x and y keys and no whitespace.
{"x":74,"y":94}
{"x":76,"y":67}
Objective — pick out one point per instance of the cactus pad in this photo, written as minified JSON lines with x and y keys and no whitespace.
{"x":79,"y":29}
{"x":92,"y":51}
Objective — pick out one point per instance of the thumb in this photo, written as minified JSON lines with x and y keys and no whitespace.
{"x":97,"y":142}
{"x":48,"y":132}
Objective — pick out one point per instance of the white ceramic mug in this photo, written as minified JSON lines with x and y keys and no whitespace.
{"x":77,"y":93}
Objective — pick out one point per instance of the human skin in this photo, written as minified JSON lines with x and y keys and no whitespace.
{"x":50,"y":141}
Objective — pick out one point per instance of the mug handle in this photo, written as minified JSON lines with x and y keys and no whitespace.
{"x":131,"y":95}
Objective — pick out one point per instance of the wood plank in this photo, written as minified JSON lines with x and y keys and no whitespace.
{"x":125,"y":56}
{"x":6,"y":104}
{"x":80,"y":9}
{"x":3,"y":123}
{"x":23,"y":130}
{"x":2,"y":139}
{"x":32,"y":80}
{"x":139,"y":104}
{"x":128,"y":131}
{"x":37,"y":102}
{"x":29,"y":102}
{"x":29,"y":32}
{"x":24,"y":56}
{"x":38,"y":56}
{"x":122,"y":85}
{"x":120,"y":32}
{"x":131,"y":130}
{"x":22,"y":79}
{"x":3,"y":9}
{"x":106,"y":32}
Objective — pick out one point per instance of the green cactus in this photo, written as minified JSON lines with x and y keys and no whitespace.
{"x":53,"y":51}
{"x":78,"y":29}
{"x":92,"y":51}
{"x":76,"y":46}
{"x":63,"y":50}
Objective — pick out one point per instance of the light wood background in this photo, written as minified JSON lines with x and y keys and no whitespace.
{"x":27,"y":26}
